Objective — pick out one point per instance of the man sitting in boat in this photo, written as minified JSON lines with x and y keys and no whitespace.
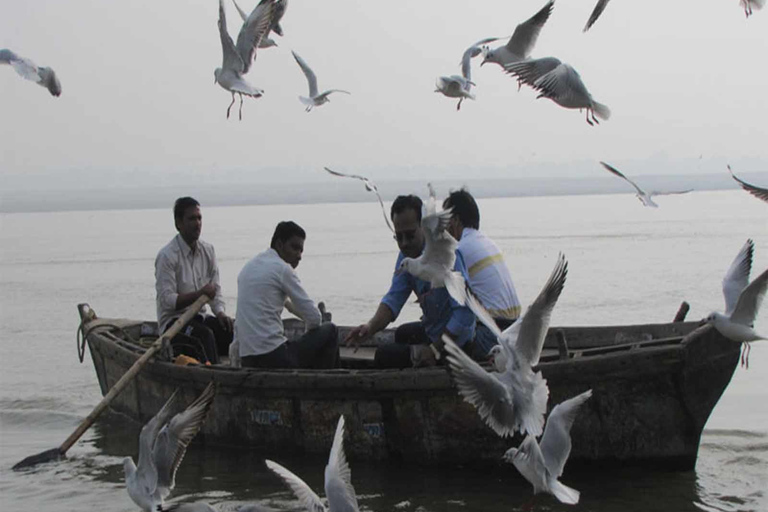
{"x":489,"y":276}
{"x":267,"y":284}
{"x":186,"y":269}
{"x":416,"y":343}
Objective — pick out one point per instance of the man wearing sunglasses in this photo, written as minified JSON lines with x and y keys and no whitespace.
{"x":416,"y":343}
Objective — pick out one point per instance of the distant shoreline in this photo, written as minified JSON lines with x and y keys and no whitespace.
{"x":340,"y":190}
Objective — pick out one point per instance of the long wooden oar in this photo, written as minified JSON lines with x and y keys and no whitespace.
{"x":57,"y":453}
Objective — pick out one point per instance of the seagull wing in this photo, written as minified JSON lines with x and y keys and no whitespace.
{"x":529,"y":461}
{"x":750,"y":300}
{"x":596,"y":12}
{"x":556,"y":442}
{"x":370,"y":186}
{"x":311,"y":78}
{"x":760,"y":193}
{"x":146,"y":469}
{"x":472,"y":52}
{"x":530,"y":71}
{"x":338,"y":477}
{"x":7,"y":56}
{"x":254,"y":29}
{"x":49,"y":80}
{"x":524,"y":38}
{"x":173,"y":439}
{"x":535,"y":323}
{"x":669,"y":192}
{"x":563,"y":83}
{"x":482,"y":389}
{"x":242,"y":13}
{"x":280,"y":7}
{"x":615,"y":171}
{"x":737,"y":277}
{"x":231,"y":58}
{"x":26,"y":68}
{"x":307,"y":496}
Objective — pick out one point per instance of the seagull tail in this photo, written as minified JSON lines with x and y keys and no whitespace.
{"x":564,"y":493}
{"x":601,"y":111}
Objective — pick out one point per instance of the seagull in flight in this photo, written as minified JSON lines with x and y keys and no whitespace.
{"x":523,"y":39}
{"x":338,"y":480}
{"x":41,"y":75}
{"x":742,"y":301}
{"x":748,"y":5}
{"x":514,"y":397}
{"x":542,"y":463}
{"x":760,"y":193}
{"x":266,"y":41}
{"x":238,"y":58}
{"x":162,"y":445}
{"x":458,"y":86}
{"x":644,"y":197}
{"x":370,"y":187}
{"x":596,"y":12}
{"x":561,"y":83}
{"x":314,"y":99}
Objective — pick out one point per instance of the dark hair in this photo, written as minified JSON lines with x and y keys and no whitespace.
{"x":409,"y":202}
{"x":285,"y":230}
{"x":181,"y":205}
{"x":464,"y":207}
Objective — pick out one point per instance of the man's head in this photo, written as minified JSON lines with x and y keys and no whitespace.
{"x":188,"y":219}
{"x":464,"y":213}
{"x":406,"y":217}
{"x":288,"y":242}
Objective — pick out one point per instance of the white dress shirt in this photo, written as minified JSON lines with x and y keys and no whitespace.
{"x":488,"y":274}
{"x":263,"y":285}
{"x":178,"y":270}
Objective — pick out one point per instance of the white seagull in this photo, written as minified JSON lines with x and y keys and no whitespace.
{"x":266,"y":41}
{"x":370,"y":187}
{"x":596,"y":12}
{"x":523,"y":39}
{"x":237,"y":59}
{"x":760,"y":193}
{"x":748,"y":5}
{"x":338,"y":480}
{"x":314,"y":99}
{"x":162,"y":445}
{"x":742,"y":301}
{"x":542,"y":463}
{"x":515,"y":398}
{"x":458,"y":86}
{"x":41,"y":75}
{"x":561,"y":83}
{"x":644,"y":197}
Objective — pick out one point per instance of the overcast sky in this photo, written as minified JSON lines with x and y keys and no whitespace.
{"x":683,"y":80}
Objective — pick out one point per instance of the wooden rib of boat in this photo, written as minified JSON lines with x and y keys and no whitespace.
{"x":654,"y":386}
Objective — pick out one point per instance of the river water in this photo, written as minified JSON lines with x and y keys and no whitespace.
{"x":627,"y":264}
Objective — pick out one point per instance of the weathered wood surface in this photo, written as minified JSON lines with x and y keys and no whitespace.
{"x":654,"y":387}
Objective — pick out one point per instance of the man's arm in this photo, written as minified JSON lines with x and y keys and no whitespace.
{"x":303,"y":306}
{"x":167,"y":287}
{"x":382,"y":318}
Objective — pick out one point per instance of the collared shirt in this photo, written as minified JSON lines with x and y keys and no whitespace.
{"x":489,"y":276}
{"x":440,"y":311}
{"x":262,"y":287}
{"x":178,"y":270}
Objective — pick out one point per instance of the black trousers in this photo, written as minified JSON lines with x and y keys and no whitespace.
{"x":398,"y":354}
{"x":318,"y":348}
{"x":202,"y":338}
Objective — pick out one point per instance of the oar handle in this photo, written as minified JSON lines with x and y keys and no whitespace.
{"x":132,"y":371}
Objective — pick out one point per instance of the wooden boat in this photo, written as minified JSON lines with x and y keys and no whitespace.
{"x":654,"y":386}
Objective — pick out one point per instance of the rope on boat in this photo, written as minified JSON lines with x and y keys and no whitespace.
{"x":82,"y":335}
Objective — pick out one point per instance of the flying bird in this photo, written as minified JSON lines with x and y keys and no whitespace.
{"x":162,"y":445}
{"x":523,"y":39}
{"x":514,"y":397}
{"x":742,"y":301}
{"x":748,"y":5}
{"x":41,"y":75}
{"x":458,"y":86}
{"x":542,"y":463}
{"x":561,"y":83}
{"x":596,"y":12}
{"x":266,"y":41}
{"x":370,"y":187}
{"x":644,"y":197}
{"x":238,"y":58}
{"x":338,"y":480}
{"x":760,"y":193}
{"x":314,"y":99}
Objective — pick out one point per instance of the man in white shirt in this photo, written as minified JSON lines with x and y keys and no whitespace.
{"x":267,"y":284}
{"x":186,"y":269}
{"x":489,"y":276}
